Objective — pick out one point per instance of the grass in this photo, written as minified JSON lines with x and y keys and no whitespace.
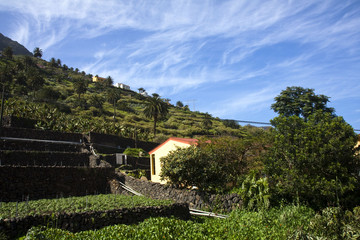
{"x":100,"y":202}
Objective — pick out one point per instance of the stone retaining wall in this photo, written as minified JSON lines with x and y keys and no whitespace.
{"x":19,"y":183}
{"x":39,"y":146}
{"x":194,"y":198}
{"x":30,"y":158}
{"x":40,"y":134}
{"x":76,"y":222}
{"x":122,"y":143}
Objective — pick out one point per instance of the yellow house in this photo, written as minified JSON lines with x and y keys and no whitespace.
{"x":162,"y":150}
{"x":98,"y":79}
{"x":358,"y":144}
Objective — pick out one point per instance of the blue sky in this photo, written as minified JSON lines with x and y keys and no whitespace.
{"x":227,"y":58}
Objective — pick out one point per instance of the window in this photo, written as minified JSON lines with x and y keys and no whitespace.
{"x":153,"y":164}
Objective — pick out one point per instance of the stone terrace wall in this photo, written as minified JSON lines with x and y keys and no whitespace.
{"x":18,"y":183}
{"x":194,"y":198}
{"x":119,"y":142}
{"x":40,"y":146}
{"x":24,"y":158}
{"x":12,"y":121}
{"x":17,"y":227}
{"x":40,"y":134}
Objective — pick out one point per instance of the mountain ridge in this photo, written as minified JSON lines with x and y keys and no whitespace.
{"x":17,"y":48}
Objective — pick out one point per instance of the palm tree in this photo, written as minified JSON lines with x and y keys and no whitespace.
{"x":80,"y":86}
{"x":113,"y":96}
{"x":38,"y":52}
{"x":155,"y":109}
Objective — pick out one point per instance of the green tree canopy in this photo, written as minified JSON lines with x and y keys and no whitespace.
{"x":8,"y":52}
{"x":179,"y":104}
{"x":113,"y":95}
{"x":213,"y":163}
{"x":34,"y":79}
{"x":156,"y":109}
{"x":38,"y":52}
{"x":192,"y":167}
{"x":312,"y":161}
{"x":301,"y":102}
{"x":80,"y":86}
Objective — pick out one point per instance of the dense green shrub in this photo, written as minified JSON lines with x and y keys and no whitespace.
{"x":313,"y":160}
{"x":100,"y":202}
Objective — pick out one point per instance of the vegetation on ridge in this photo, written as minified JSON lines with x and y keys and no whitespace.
{"x":66,"y":99}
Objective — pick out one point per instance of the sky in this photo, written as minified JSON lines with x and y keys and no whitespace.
{"x":229,"y":58}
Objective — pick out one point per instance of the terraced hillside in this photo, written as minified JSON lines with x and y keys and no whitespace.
{"x":65,"y":99}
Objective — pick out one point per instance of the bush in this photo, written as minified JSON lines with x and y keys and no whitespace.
{"x":312,"y":161}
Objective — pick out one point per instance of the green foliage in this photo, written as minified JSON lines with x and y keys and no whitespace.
{"x":254,"y":192}
{"x":231,"y":124}
{"x":179,"y":104}
{"x":156,"y":109}
{"x":312,"y":161}
{"x":212,"y":165}
{"x":8,"y":52}
{"x":80,"y":86}
{"x":37,"y":52}
{"x":135,"y":152}
{"x":298,"y":101}
{"x":289,"y":222}
{"x":30,"y":79}
{"x":192,"y":167}
{"x":100,"y":202}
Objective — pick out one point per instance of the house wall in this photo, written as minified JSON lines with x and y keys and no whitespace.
{"x":162,"y":152}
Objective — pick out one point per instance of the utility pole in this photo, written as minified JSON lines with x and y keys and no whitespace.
{"x":193,"y":103}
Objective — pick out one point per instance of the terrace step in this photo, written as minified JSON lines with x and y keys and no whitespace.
{"x":40,"y":145}
{"x":43,"y":158}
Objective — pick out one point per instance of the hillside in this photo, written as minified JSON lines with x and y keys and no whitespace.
{"x":61,"y":98}
{"x":17,"y":48}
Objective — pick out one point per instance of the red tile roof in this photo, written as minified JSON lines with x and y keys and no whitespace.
{"x":189,"y":141}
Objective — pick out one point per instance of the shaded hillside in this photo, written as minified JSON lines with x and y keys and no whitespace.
{"x":17,"y":48}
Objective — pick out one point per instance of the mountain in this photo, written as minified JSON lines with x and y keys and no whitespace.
{"x":17,"y":48}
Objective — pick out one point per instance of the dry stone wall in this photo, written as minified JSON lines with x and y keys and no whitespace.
{"x":25,"y":158}
{"x":76,"y":222}
{"x":20,"y":183}
{"x":40,"y":134}
{"x":194,"y":198}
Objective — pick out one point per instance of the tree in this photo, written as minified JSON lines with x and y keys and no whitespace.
{"x":312,"y":160}
{"x":28,"y":62}
{"x":192,"y":166}
{"x":38,"y":52}
{"x":113,"y":96}
{"x":53,"y":62}
{"x":97,"y":101}
{"x":80,"y":86}
{"x":231,"y":123}
{"x":34,"y":80}
{"x":108,"y":82}
{"x":301,"y":102}
{"x":8,"y":53}
{"x":155,"y":109}
{"x":207,"y":123}
{"x":141,"y":90}
{"x":212,"y":163}
{"x":58,"y":62}
{"x":179,"y":104}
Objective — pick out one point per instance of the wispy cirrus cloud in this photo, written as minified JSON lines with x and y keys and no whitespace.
{"x":177,"y":46}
